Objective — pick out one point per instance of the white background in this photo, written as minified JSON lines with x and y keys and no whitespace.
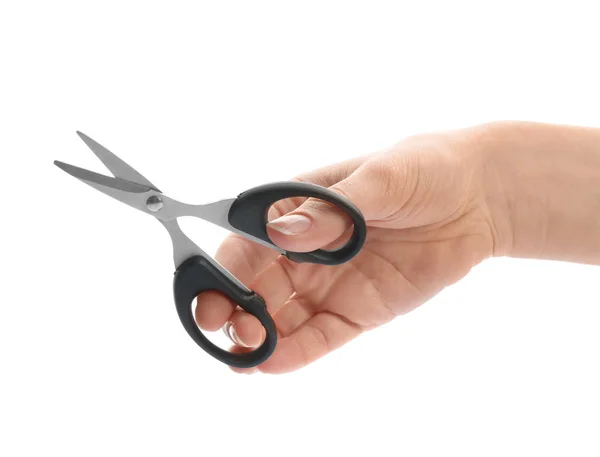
{"x":210,"y":98}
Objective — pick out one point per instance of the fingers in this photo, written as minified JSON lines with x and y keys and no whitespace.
{"x":311,"y":226}
{"x":253,"y":264}
{"x":275,"y":287}
{"x":244,"y":259}
{"x":316,"y":223}
{"x":321,"y":334}
{"x":245,"y":330}
{"x":305,"y":334}
{"x":292,"y":315}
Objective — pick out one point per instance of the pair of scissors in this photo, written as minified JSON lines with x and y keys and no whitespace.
{"x":196,"y":271}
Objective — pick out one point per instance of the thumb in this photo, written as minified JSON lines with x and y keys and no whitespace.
{"x":316,"y":224}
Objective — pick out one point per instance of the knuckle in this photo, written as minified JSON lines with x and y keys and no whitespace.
{"x":387,"y":176}
{"x":318,"y":207}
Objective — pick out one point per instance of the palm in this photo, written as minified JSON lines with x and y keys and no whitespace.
{"x":396,"y":271}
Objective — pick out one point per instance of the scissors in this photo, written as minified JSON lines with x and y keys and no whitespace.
{"x":196,"y":271}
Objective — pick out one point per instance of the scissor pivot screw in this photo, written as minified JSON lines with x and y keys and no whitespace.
{"x":154,"y":203}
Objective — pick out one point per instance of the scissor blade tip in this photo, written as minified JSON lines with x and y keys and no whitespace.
{"x":65,"y":166}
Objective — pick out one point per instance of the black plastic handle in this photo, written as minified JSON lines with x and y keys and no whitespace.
{"x":197,"y":275}
{"x":249,"y":213}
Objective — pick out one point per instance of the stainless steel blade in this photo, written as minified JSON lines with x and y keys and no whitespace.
{"x":96,"y":178}
{"x":116,"y":166}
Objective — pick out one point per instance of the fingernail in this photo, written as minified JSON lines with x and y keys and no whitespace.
{"x":292,"y":224}
{"x":229,"y":330}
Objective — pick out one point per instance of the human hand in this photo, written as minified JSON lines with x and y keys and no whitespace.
{"x":428,"y":225}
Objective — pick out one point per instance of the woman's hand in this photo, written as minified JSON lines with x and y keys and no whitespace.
{"x":428,"y":225}
{"x":436,"y":205}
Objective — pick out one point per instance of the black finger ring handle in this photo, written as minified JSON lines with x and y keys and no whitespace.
{"x":249,"y":214}
{"x":197,"y":275}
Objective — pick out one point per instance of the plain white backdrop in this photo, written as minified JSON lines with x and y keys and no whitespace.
{"x":208,"y":99}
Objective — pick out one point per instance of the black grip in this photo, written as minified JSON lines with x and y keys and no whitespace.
{"x":249,"y":213}
{"x":197,"y":275}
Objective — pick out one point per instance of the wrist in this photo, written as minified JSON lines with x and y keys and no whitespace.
{"x":541,"y":187}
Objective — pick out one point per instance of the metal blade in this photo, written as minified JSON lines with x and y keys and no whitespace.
{"x":130,"y":193}
{"x":135,"y":195}
{"x":117,"y":166}
{"x":90,"y":177}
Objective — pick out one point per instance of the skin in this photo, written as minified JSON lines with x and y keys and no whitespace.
{"x":436,"y":205}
